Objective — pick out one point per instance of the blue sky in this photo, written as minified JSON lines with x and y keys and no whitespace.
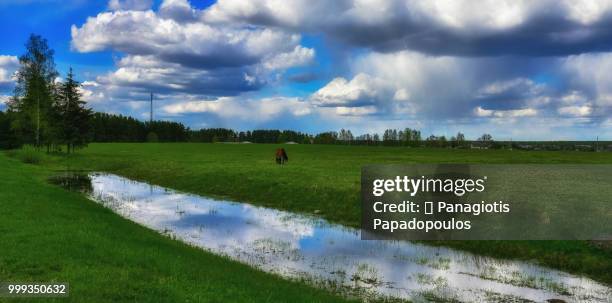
{"x":516,"y":69}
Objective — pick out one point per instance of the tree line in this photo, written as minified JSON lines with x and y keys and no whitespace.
{"x":118,"y":128}
{"x":104,"y":127}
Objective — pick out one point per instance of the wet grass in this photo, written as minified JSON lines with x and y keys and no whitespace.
{"x":49,"y":234}
{"x":325,"y":180}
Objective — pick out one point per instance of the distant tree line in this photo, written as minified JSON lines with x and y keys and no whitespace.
{"x":118,"y":128}
{"x":105,"y":127}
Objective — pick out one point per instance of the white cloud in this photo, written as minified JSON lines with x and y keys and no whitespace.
{"x":434,"y":26}
{"x":362,"y":90}
{"x":139,"y":5}
{"x":355,"y":111}
{"x":165,"y":51}
{"x":190,"y":44}
{"x":8,"y":67}
{"x":573,"y":97}
{"x":4,"y":99}
{"x":179,"y":10}
{"x":591,"y":73}
{"x":233,"y":108}
{"x":401,"y":95}
{"x":576,"y":111}
{"x":511,"y":113}
{"x":416,"y":62}
{"x":587,"y":11}
{"x":523,"y":85}
{"x":409,"y":82}
{"x":300,"y":56}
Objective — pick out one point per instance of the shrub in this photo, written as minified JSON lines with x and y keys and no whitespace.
{"x":29,"y":155}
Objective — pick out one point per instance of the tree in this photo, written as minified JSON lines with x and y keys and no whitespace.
{"x":33,"y":95}
{"x":7,"y":139}
{"x":326,"y":138}
{"x":459,"y":140}
{"x":345,"y":136}
{"x":72,"y":114}
{"x":460,"y":137}
{"x":485,"y":138}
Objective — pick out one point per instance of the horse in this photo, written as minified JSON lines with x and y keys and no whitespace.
{"x":281,"y":156}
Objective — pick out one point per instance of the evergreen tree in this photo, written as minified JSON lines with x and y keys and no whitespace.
{"x":72,"y":114}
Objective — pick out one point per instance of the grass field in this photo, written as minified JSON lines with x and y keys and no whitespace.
{"x":322,"y":179}
{"x":49,"y":234}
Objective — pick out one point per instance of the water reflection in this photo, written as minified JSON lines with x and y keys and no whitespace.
{"x":72,"y":180}
{"x":300,"y":247}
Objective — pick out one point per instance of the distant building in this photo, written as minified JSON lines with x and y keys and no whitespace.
{"x":291,"y":142}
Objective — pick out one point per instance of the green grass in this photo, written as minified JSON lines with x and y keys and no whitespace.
{"x":49,"y":234}
{"x":325,"y":179}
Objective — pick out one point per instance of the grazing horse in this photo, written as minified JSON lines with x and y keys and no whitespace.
{"x":281,"y":156}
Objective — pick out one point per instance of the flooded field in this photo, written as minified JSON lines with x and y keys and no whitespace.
{"x":332,"y":256}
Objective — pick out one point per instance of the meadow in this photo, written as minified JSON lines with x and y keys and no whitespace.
{"x":48,"y":234}
{"x":322,"y":180}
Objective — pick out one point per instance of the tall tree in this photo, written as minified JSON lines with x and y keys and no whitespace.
{"x":72,"y":114}
{"x":33,"y":95}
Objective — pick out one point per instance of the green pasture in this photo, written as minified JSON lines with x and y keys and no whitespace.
{"x":49,"y":235}
{"x":321,"y":179}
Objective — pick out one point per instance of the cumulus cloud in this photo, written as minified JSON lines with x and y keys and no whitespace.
{"x":362,"y":90}
{"x":590,"y":73}
{"x":300,"y":56}
{"x":355,"y":111}
{"x":150,"y":74}
{"x":193,"y":44}
{"x":419,"y":63}
{"x":139,"y":5}
{"x":246,"y":113}
{"x":172,"y":51}
{"x":8,"y":67}
{"x":514,"y":113}
{"x":512,"y":93}
{"x":464,"y":27}
{"x":226,"y":107}
{"x":576,"y":111}
{"x":4,"y":99}
{"x":178,"y":10}
{"x":404,"y":85}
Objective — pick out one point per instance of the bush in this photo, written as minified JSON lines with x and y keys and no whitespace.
{"x":29,"y":155}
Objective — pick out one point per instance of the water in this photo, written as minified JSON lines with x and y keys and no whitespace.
{"x":333,"y":256}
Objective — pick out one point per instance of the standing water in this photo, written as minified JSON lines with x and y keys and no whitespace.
{"x":301,"y":247}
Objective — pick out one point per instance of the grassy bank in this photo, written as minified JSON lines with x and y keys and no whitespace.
{"x":48,"y":234}
{"x":323,"y":179}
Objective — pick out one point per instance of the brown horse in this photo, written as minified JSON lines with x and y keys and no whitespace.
{"x":281,"y":156}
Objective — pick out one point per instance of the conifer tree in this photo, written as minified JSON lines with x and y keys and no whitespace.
{"x":73,"y":115}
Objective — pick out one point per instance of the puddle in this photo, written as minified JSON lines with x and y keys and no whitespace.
{"x":328,"y":255}
{"x":73,"y":181}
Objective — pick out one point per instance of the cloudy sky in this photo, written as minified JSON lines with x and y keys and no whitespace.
{"x":516,"y":69}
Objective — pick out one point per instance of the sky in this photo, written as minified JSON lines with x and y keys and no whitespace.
{"x":520,"y":69}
